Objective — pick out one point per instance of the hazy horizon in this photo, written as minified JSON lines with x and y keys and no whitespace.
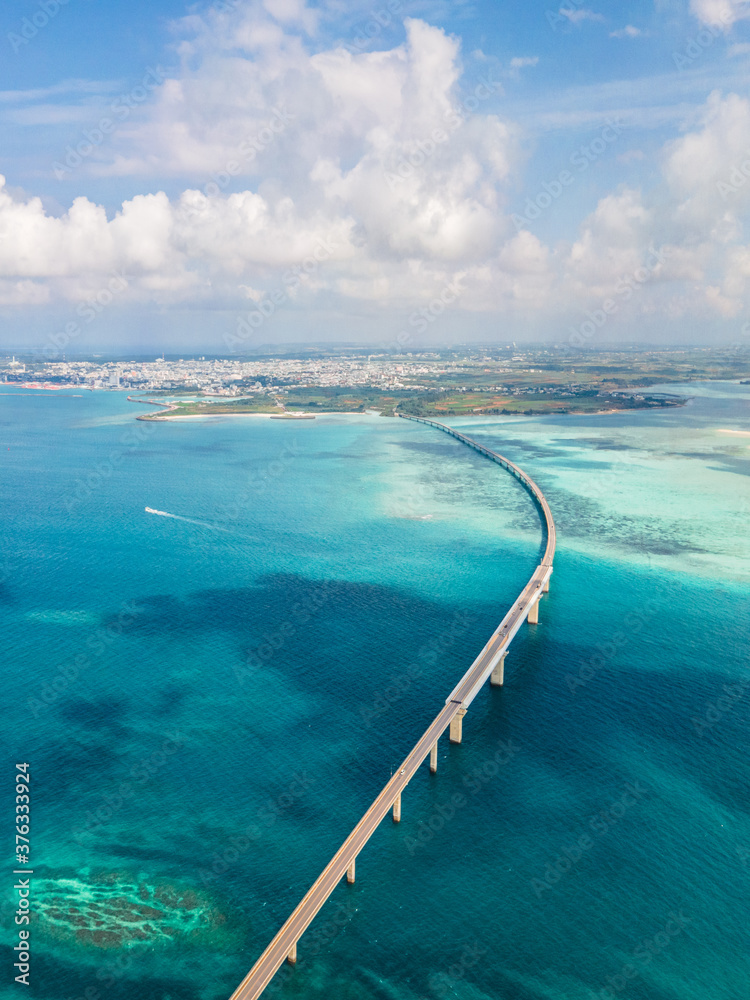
{"x":344,"y":347}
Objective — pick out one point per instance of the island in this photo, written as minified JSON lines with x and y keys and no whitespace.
{"x":298,"y":384}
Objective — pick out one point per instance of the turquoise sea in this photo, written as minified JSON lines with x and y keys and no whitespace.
{"x":209,"y":701}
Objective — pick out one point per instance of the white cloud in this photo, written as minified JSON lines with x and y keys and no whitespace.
{"x":521,"y":62}
{"x":629,"y":31}
{"x":723,"y":13}
{"x":611,"y":243}
{"x":331,"y":103}
{"x":94,"y":87}
{"x":380,"y":141}
{"x":700,"y":167}
{"x":577,"y":16}
{"x":23,"y":293}
{"x":293,"y":12}
{"x":76,"y":252}
{"x":389,"y":171}
{"x":49,"y":114}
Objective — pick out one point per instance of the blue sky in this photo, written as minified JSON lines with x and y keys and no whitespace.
{"x":331,"y":169}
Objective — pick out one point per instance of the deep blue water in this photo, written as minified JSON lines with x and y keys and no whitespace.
{"x":210,"y":701}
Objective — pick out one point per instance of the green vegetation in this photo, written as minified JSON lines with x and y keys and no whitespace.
{"x":338,"y":399}
{"x":529,"y":404}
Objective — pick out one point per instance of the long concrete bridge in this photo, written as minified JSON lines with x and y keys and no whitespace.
{"x":490,"y":664}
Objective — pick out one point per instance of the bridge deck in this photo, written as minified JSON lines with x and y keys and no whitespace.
{"x":460,"y":698}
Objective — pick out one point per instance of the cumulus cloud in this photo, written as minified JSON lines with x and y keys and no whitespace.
{"x":246,"y":74}
{"x":611,"y":243}
{"x":720,"y":12}
{"x":389,"y":171}
{"x":384,"y":138}
{"x":380,"y":155}
{"x":702,"y":167}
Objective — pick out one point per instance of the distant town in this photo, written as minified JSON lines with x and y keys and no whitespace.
{"x":472,"y":380}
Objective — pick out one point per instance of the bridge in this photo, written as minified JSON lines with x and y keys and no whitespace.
{"x":490,"y":664}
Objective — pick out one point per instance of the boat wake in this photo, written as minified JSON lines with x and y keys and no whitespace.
{"x":189,"y":520}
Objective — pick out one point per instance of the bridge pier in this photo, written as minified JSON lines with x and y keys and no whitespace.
{"x":497,"y":677}
{"x":533,"y":617}
{"x":457,"y":726}
{"x":350,"y":872}
{"x":433,"y":758}
{"x":545,"y":589}
{"x":292,"y":956}
{"x":397,"y":810}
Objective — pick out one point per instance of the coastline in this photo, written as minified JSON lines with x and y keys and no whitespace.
{"x":437,"y":415}
{"x":555,"y":405}
{"x":199,"y":416}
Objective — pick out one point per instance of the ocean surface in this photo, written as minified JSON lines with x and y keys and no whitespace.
{"x":208,"y":701}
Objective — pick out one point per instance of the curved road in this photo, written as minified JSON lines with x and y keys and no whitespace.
{"x":457,"y":702}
